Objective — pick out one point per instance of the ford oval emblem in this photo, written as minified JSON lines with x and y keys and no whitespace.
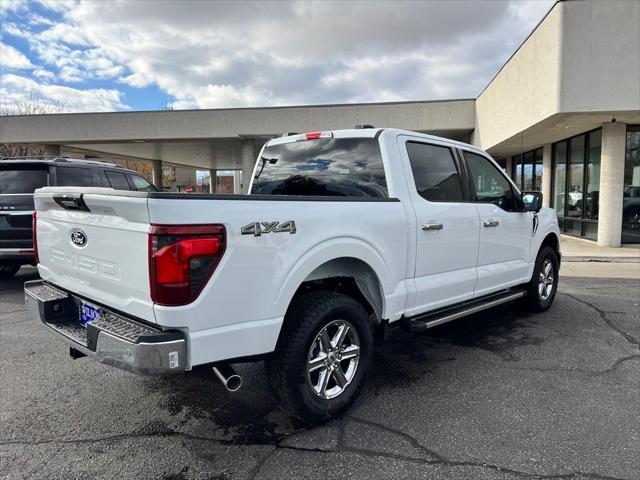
{"x":78,"y":237}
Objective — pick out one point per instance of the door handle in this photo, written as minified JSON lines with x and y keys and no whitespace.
{"x":432,"y":226}
{"x":491,"y":223}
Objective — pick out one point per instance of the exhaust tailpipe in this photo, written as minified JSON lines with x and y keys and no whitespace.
{"x":228,"y":376}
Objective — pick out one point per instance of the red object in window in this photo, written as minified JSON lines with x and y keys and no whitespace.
{"x":182,"y":258}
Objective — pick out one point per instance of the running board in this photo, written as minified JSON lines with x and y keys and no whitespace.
{"x":423,"y":322}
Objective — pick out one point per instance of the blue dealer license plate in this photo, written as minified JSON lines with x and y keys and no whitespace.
{"x":88,"y":314}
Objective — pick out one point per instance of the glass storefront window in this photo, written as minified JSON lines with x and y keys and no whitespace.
{"x":559,"y":175}
{"x":631,"y":199}
{"x":576,"y":183}
{"x":575,"y":177}
{"x":593,"y":175}
{"x":537,"y":170}
{"x":527,"y":170}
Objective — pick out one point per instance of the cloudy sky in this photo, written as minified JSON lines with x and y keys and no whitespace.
{"x":144,"y":54}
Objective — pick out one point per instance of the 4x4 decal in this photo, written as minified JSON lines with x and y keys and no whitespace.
{"x":258,"y":228}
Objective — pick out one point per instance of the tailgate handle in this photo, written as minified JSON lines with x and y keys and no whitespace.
{"x":71,"y":202}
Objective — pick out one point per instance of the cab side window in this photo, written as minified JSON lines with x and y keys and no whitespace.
{"x":489,"y":183}
{"x":435,"y":172}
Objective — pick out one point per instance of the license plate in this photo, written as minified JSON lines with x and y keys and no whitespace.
{"x":88,"y":313}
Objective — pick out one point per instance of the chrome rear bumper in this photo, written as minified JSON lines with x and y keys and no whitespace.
{"x":113,"y":339}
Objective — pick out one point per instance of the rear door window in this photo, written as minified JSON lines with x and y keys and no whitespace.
{"x":435,"y":172}
{"x":75,"y":177}
{"x":117,"y":180}
{"x":343,"y":167}
{"x":22,"y":179}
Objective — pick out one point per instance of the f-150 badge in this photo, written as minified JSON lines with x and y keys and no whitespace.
{"x":258,"y":228}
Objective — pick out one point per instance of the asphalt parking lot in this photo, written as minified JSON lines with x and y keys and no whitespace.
{"x":499,"y":395}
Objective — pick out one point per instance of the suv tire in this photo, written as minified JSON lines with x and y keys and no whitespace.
{"x":542,"y":288}
{"x":323,"y":355}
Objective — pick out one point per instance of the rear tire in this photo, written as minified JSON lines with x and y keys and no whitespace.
{"x":323,"y":355}
{"x":8,"y":270}
{"x":541,"y":289}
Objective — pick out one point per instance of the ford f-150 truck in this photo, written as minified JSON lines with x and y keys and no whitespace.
{"x":344,"y":233}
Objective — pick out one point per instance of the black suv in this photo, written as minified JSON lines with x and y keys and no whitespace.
{"x":19,"y":177}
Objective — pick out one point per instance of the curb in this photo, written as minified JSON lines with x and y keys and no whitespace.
{"x":601,"y":259}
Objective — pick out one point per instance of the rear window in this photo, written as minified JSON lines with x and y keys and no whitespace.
{"x":22,"y":179}
{"x":344,"y":167}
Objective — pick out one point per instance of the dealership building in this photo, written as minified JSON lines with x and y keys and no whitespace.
{"x":562,"y":116}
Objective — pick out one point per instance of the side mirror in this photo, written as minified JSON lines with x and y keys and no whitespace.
{"x":532,"y":201}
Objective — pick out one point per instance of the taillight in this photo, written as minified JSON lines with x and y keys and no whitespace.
{"x":35,"y":235}
{"x":182,"y":258}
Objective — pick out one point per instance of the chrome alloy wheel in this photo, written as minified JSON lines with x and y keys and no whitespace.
{"x":333,"y":358}
{"x":545,"y":283}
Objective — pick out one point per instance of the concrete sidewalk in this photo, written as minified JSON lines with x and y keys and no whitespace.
{"x":580,"y":250}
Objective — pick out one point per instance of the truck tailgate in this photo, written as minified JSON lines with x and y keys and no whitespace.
{"x":94,"y":242}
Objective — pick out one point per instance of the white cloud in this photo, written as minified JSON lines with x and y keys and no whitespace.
{"x":11,"y":57}
{"x":224,"y":54}
{"x":44,"y":74}
{"x":15,"y":87}
{"x":11,"y":5}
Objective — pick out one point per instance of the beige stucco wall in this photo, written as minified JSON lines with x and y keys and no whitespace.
{"x":584,"y":57}
{"x":600,"y":56}
{"x":527,"y":88}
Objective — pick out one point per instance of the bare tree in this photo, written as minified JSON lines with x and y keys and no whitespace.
{"x":27,"y":106}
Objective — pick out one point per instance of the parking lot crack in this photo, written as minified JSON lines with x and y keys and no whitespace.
{"x":603,"y":315}
{"x":410,"y":439}
{"x":438,"y":459}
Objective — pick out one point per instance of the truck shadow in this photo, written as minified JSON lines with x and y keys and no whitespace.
{"x":252,"y":416}
{"x":16,"y":283}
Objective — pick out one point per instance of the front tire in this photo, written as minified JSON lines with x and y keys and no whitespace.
{"x":323,"y":356}
{"x":541,"y":289}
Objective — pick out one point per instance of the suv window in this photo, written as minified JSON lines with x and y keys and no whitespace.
{"x":347,"y":167}
{"x":489,"y":183}
{"x":142,"y":183}
{"x":22,"y":179}
{"x":435,"y":173}
{"x":117,"y":180}
{"x":74,"y":177}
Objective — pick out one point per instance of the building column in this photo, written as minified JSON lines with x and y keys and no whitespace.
{"x":611,"y":184}
{"x":547,"y":167}
{"x":212,"y":180}
{"x":248,"y":161}
{"x":157,"y":173}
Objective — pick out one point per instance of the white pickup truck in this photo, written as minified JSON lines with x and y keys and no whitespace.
{"x":344,"y":233}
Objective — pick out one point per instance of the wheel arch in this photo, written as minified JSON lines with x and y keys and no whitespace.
{"x":351,"y":276}
{"x":551,"y":240}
